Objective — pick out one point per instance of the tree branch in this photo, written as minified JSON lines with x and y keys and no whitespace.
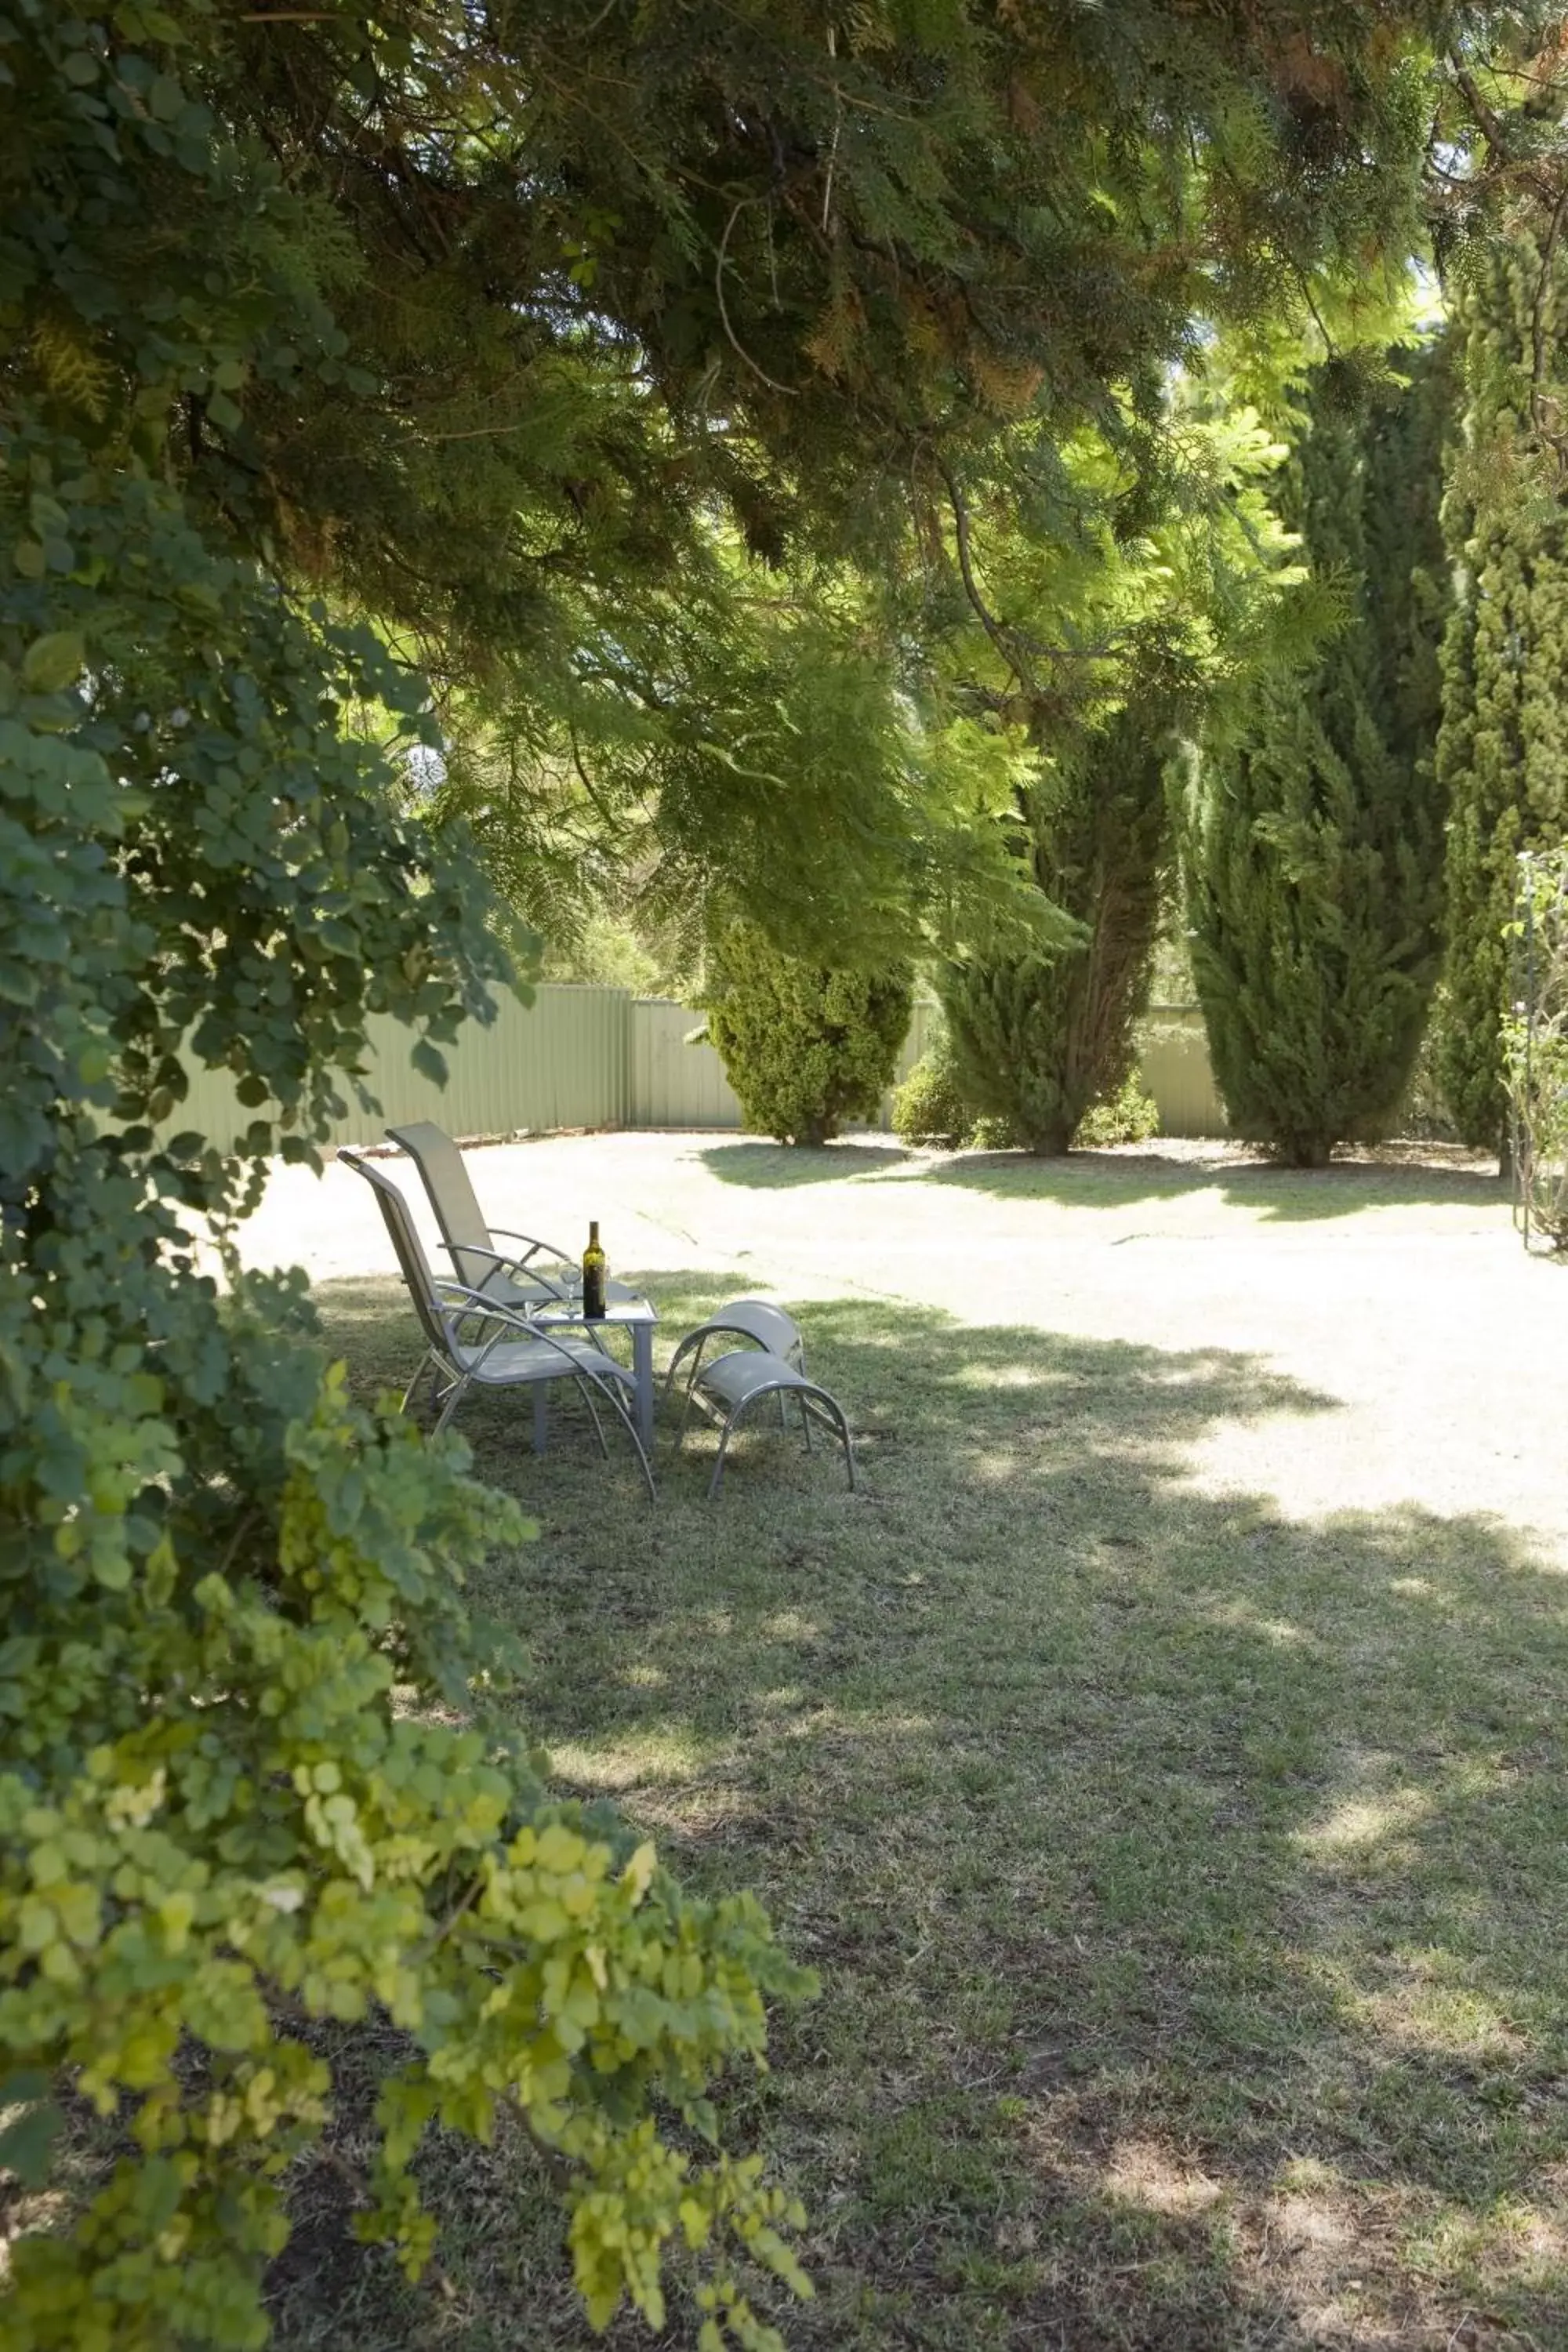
{"x":790,"y":391}
{"x":1001,"y":637}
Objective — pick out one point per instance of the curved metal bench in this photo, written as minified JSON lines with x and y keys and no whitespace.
{"x":727,"y":1386}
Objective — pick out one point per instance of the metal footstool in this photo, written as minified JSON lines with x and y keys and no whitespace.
{"x":726,"y":1387}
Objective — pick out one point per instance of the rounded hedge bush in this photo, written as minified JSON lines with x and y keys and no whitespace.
{"x":806,"y":1046}
{"x":928,"y":1108}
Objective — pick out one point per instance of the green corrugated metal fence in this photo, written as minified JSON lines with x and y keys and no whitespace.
{"x":600,"y":1058}
{"x":1174,"y":1059}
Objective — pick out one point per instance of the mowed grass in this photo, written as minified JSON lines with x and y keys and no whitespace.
{"x":1188,"y":1884}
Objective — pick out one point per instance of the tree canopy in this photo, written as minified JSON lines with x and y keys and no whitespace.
{"x":612,"y":327}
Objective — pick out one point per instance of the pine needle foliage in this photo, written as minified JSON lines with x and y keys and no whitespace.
{"x":611,"y":285}
{"x":1503,"y":747}
{"x":1039,"y":1037}
{"x":806,"y":1047}
{"x":1314,"y":847}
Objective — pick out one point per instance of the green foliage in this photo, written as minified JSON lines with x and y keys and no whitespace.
{"x":1039,"y":1037}
{"x":1129,"y":1116}
{"x":804,"y":1046}
{"x":928,"y":1108}
{"x":1314,"y":846}
{"x":990,"y":1133}
{"x":1503,"y":749}
{"x":253,"y":1779}
{"x":651,"y":329}
{"x":1535,"y":1042}
{"x":608,"y":951}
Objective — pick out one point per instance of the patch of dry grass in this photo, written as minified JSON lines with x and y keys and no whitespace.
{"x":1187,"y":1879}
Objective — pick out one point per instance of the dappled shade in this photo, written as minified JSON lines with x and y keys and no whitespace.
{"x":1107,"y":1179}
{"x":1186,"y":1882}
{"x":763,"y":1167}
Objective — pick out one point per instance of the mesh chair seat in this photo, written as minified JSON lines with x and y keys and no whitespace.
{"x":506,"y":1364}
{"x":530,"y":1273}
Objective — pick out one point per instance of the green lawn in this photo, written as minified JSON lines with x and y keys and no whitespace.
{"x":1187,"y":1877}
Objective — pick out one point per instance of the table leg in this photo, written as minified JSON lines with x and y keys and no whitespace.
{"x":642,"y":1372}
{"x":541,"y":1414}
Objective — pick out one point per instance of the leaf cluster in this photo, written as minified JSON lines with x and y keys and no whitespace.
{"x":252,"y":1779}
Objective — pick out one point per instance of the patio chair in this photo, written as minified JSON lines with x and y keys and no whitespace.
{"x":773,"y":1365}
{"x":525,"y":1276}
{"x":506,"y":1351}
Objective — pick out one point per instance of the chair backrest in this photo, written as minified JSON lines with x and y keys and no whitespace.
{"x":451,"y":1195}
{"x":759,"y":1319}
{"x":410,"y":1249}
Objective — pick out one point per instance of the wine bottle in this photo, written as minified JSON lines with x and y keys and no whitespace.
{"x":594,"y":1270}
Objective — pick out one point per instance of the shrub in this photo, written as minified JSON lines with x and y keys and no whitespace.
{"x":990,"y":1133}
{"x":1129,"y":1116}
{"x":928,"y":1108}
{"x":1314,"y":855}
{"x":253,"y":1778}
{"x":805,"y":1047}
{"x":1535,"y":1042}
{"x":1424,"y":1110}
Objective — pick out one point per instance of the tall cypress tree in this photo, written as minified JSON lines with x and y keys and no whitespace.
{"x":1503,"y":747}
{"x":1038,"y":1037}
{"x":1314,"y":847}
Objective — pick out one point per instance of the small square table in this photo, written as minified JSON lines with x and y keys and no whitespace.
{"x":638,"y":1315}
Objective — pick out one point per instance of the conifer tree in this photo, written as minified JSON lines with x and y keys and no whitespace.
{"x":804,"y":1046}
{"x":1503,"y":746}
{"x":1039,"y":1036}
{"x":1314,"y":846}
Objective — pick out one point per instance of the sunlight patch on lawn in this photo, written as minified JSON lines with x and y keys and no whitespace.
{"x":790,"y":1625}
{"x":1363,"y":1822}
{"x":1421,"y":2013}
{"x":1147,"y":2174}
{"x":1241,"y":1617}
{"x":655,"y":1755}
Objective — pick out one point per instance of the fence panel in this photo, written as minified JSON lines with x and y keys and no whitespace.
{"x":674,"y":1084}
{"x":596,"y":1057}
{"x":562,"y":1062}
{"x":1174,"y":1059}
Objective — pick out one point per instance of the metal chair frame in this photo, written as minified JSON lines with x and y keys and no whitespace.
{"x":456,"y":1365}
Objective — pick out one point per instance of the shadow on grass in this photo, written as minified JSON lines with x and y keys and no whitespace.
{"x":1186,"y":1883}
{"x":767,"y":1167}
{"x":1111,"y":1179}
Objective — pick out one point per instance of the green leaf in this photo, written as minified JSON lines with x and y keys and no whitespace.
{"x":26,"y":2142}
{"x":52,"y":663}
{"x":429,"y":1063}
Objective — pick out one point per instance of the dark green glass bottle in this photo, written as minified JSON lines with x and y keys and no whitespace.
{"x":594,"y":1271}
